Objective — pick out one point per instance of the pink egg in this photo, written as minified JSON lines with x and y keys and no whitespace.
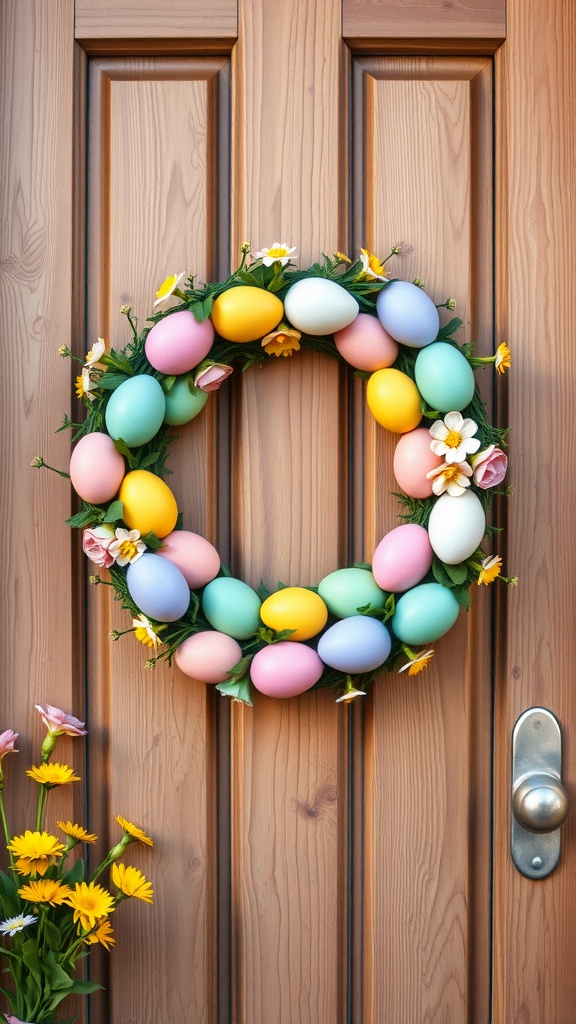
{"x":413,"y":459}
{"x":402,"y":558}
{"x":285,"y":669}
{"x":208,"y":657}
{"x":96,"y":468}
{"x":197,"y":559}
{"x":365,"y":344}
{"x":177,"y":343}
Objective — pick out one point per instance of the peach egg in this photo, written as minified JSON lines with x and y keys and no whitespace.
{"x":365,"y":344}
{"x":413,"y":459}
{"x":96,"y":468}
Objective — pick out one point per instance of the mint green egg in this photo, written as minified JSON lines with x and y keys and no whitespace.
{"x":425,"y":613}
{"x":346,"y":590}
{"x":444,"y":377}
{"x":231,"y":607}
{"x":183,"y":401}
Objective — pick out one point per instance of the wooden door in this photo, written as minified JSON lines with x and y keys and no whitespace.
{"x":313,"y":863}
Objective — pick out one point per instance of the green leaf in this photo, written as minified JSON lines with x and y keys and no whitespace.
{"x":239,"y":691}
{"x":362,"y":565}
{"x":263,"y":591}
{"x":207,"y":307}
{"x":52,"y":935}
{"x":197,"y":309}
{"x":450,"y":327}
{"x":152,"y":541}
{"x":121,"y":446}
{"x":78,"y":987}
{"x":457,"y":573}
{"x":57,"y":976}
{"x":168,"y":383}
{"x":111,"y":381}
{"x":115,"y":512}
{"x":31,"y":959}
{"x":76,"y":873}
{"x":440,"y":574}
{"x":149,"y":460}
{"x":85,"y":518}
{"x":462,"y":595}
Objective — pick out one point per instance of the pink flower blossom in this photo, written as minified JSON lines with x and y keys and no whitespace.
{"x":209,"y":376}
{"x":14,"y":1020}
{"x":96,"y":543}
{"x":489,"y":467}
{"x":58,"y":722}
{"x":7,"y":740}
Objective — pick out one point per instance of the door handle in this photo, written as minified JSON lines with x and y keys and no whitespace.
{"x":539,"y":800}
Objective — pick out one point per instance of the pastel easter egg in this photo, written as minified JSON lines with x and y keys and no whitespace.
{"x":208,"y":656}
{"x":196,"y":557}
{"x":365,"y":344}
{"x":394,"y":400}
{"x":346,"y":590}
{"x":231,"y":607}
{"x":177,"y":342}
{"x":424,"y":614}
{"x":246,"y":313}
{"x":402,"y":558}
{"x":408,"y":314}
{"x":158,"y":588}
{"x":456,"y":526}
{"x":135,"y":410}
{"x":444,"y":377}
{"x":149,"y":505}
{"x":413,"y":459}
{"x":183,"y":402}
{"x":96,"y":468}
{"x":356,"y":644}
{"x":295,"y":608}
{"x":318,"y":306}
{"x":285,"y":669}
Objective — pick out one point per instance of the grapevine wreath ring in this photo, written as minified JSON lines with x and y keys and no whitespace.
{"x":448,"y":463}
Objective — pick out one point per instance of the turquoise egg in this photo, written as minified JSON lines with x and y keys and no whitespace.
{"x":347,"y":590}
{"x":425,"y":613}
{"x":183,"y":401}
{"x":135,"y":410}
{"x":231,"y":607}
{"x":444,"y":377}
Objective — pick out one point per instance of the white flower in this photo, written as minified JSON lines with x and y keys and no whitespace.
{"x":15,"y":924}
{"x":127,"y":547}
{"x":451,"y":477}
{"x":96,"y":352}
{"x":454,"y":438}
{"x":167,"y":287}
{"x":350,"y":695}
{"x":417,"y":663}
{"x":145,"y":633}
{"x":372,"y":267}
{"x":275,"y":254}
{"x":86,"y":383}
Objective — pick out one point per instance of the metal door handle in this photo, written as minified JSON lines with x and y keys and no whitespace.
{"x":539,"y":800}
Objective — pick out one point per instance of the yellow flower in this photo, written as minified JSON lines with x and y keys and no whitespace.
{"x":90,"y":902}
{"x":45,"y":890}
{"x":103,"y":934}
{"x":53,"y":774}
{"x":145,"y":633}
{"x":86,"y":383}
{"x":491,"y":568}
{"x":342,"y":257}
{"x":372,"y":267}
{"x":132,"y":882}
{"x":134,"y":832}
{"x":282,"y":342}
{"x":96,"y":352}
{"x":77,"y":832}
{"x":417,"y":663}
{"x":168,"y":287}
{"x":277,"y":253}
{"x":502,"y":360}
{"x":35,"y":852}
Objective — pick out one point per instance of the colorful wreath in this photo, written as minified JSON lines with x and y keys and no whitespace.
{"x":360,"y":619}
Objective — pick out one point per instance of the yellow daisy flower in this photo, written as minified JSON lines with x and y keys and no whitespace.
{"x":372,"y":267}
{"x":491,"y":568}
{"x":45,"y":890}
{"x":168,"y":287}
{"x":90,"y":902}
{"x":35,"y":852}
{"x":53,"y":774}
{"x":103,"y":934}
{"x":77,"y":832}
{"x":282,"y":342}
{"x":342,"y":257}
{"x":502,"y":360}
{"x":132,"y":882}
{"x":145,"y":632}
{"x":418,"y":663}
{"x":134,"y":832}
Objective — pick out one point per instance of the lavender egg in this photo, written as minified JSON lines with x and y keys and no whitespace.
{"x":356,"y":644}
{"x":285,"y":669}
{"x":408,"y":314}
{"x":158,"y":588}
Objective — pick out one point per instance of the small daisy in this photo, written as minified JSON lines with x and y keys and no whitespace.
{"x":45,"y":890}
{"x":168,"y":287}
{"x":15,"y":924}
{"x":282,"y":342}
{"x":96,"y":352}
{"x":277,"y":253}
{"x":491,"y":568}
{"x":86,"y":383}
{"x":372,"y":267}
{"x":453,"y":477}
{"x":453,"y":437}
{"x":52,"y":774}
{"x":134,"y":832}
{"x":90,"y":902}
{"x":132,"y":882}
{"x":417,"y":663}
{"x":104,"y":934}
{"x":145,"y":633}
{"x":76,"y":832}
{"x":503,"y":357}
{"x":127,"y":547}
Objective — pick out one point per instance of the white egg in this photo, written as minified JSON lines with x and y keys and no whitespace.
{"x":408,"y":314}
{"x":318,"y":306}
{"x":456,"y":526}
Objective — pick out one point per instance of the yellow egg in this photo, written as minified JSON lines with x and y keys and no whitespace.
{"x":246,"y":313}
{"x":394,"y":400}
{"x":295,"y":608}
{"x":149,"y":505}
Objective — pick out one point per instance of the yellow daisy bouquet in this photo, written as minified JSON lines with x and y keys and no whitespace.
{"x":52,"y":910}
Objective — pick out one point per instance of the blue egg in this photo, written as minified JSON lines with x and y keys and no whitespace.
{"x":183,"y":401}
{"x":425,"y":613}
{"x":444,"y":377}
{"x":135,"y":410}
{"x":356,"y":644}
{"x":158,"y":588}
{"x":408,"y":314}
{"x":232,"y":607}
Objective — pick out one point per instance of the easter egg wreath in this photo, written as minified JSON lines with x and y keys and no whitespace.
{"x":448,"y":462}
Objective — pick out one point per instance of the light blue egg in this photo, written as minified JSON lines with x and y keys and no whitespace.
{"x":158,"y":588}
{"x":356,"y":644}
{"x":444,"y":377}
{"x":346,"y":590}
{"x":231,"y":607}
{"x":183,"y":401}
{"x":408,"y":314}
{"x":135,"y":410}
{"x":425,"y":613}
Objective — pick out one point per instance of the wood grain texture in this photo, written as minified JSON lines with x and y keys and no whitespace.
{"x":458,"y":20}
{"x":422,"y":177}
{"x":147,"y":19}
{"x":534,"y":921}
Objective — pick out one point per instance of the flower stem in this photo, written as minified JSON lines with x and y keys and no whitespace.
{"x":5,"y":826}
{"x":41,"y":801}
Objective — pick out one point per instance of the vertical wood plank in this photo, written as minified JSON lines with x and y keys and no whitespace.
{"x":534,"y":920}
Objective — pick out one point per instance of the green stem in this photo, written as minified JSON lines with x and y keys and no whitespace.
{"x":5,"y":826}
{"x":41,"y":801}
